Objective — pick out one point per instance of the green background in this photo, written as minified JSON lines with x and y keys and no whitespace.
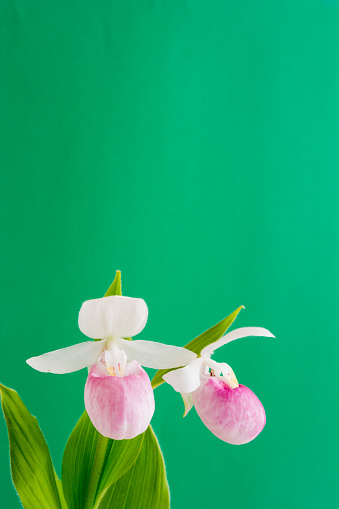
{"x":192,"y":144}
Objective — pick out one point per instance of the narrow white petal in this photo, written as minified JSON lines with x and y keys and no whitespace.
{"x":236,"y":334}
{"x":68,"y":359}
{"x":114,"y":316}
{"x":188,"y":402}
{"x":186,"y":379}
{"x":155,"y":355}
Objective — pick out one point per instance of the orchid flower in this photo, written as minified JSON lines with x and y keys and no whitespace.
{"x":118,"y":394}
{"x":231,"y":411}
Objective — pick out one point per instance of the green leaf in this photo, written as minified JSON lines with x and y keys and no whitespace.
{"x":145,"y":485}
{"x":32,"y":470}
{"x":115,"y":288}
{"x":200,"y":342}
{"x":92,"y":463}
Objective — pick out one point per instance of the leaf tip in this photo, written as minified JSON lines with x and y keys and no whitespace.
{"x":115,"y":288}
{"x":3,"y":388}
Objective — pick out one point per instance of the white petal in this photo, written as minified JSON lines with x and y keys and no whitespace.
{"x":67,"y":360}
{"x":188,"y":402}
{"x":236,"y":334}
{"x":115,"y":359}
{"x":114,"y":316}
{"x":155,"y":355}
{"x":186,"y":379}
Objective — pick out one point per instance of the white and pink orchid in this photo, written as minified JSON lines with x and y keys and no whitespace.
{"x":231,"y":411}
{"x":118,"y":394}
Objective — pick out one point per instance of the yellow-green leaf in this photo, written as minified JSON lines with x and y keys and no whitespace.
{"x":92,"y":463}
{"x":32,"y":470}
{"x":115,"y":288}
{"x":144,"y":486}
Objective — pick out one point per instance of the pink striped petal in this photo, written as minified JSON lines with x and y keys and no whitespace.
{"x":235,"y":415}
{"x":119,"y":407}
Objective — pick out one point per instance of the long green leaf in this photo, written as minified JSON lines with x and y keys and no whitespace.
{"x":92,"y":463}
{"x":200,"y":342}
{"x":145,"y":485}
{"x":31,"y":465}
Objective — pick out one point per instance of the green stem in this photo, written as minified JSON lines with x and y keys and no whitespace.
{"x":98,"y":462}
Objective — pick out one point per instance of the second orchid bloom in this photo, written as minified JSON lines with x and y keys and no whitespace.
{"x":231,"y":411}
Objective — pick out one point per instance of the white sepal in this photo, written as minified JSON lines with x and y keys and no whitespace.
{"x":67,"y":360}
{"x":113,"y":316}
{"x":236,"y":334}
{"x":155,"y":355}
{"x":188,"y":402}
{"x":185,"y":379}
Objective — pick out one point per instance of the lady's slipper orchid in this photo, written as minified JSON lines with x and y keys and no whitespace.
{"x":118,"y":394}
{"x":231,"y":411}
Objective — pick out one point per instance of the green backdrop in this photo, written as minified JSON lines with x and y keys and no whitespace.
{"x":192,"y":144}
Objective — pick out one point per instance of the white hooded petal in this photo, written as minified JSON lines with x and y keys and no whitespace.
{"x":186,"y":379}
{"x":188,"y":402}
{"x":224,"y":372}
{"x":155,"y":355}
{"x":236,"y":334}
{"x":115,"y":359}
{"x":67,"y":360}
{"x":114,"y":316}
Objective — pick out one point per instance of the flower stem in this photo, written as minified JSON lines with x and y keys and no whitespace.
{"x":98,"y":462}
